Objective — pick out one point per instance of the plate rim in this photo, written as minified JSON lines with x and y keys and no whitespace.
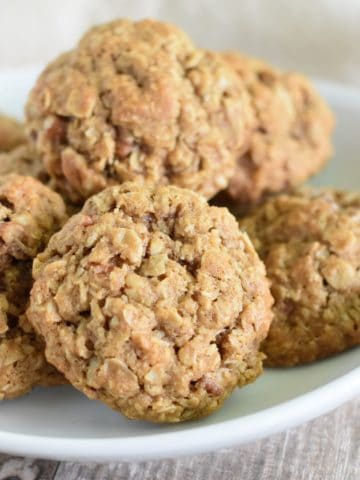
{"x":199,"y":439}
{"x":196,"y":440}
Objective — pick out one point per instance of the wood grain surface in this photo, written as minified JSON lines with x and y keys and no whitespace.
{"x":327,"y":448}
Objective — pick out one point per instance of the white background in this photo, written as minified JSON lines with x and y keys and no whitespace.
{"x":318,"y":37}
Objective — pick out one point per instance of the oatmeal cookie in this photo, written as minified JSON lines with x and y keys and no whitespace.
{"x":292,"y":138}
{"x":29,"y":214}
{"x":310,"y":243}
{"x":137,"y":101}
{"x":23,"y":160}
{"x":12,"y":133}
{"x":153,"y":302}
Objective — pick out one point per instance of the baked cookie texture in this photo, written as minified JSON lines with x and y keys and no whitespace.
{"x":23,"y":160}
{"x":310,"y":243}
{"x":292,"y":136}
{"x":29,"y":214}
{"x":153,"y":302}
{"x":137,"y":101}
{"x":12,"y":133}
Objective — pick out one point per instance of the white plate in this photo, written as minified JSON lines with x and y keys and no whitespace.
{"x":60,"y":423}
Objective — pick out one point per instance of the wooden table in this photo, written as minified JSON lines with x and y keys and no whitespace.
{"x":327,"y":448}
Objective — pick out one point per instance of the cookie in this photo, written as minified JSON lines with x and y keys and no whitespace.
{"x":292,"y":136}
{"x":12,"y":133}
{"x":23,"y":160}
{"x":29,"y":214}
{"x":153,"y":302}
{"x":310,"y":243}
{"x":137,"y":101}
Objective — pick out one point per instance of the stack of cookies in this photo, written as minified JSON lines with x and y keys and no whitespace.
{"x":119,"y":277}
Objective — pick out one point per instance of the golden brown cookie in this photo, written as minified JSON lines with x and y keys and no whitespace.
{"x":310,"y":243}
{"x":292,"y":137}
{"x":29,"y":214}
{"x":153,"y":302}
{"x":137,"y":101}
{"x":25,"y":160}
{"x":12,"y":133}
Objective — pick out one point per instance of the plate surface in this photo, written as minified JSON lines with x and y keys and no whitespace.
{"x":60,"y":423}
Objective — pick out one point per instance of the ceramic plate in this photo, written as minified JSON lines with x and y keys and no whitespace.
{"x":60,"y":423}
